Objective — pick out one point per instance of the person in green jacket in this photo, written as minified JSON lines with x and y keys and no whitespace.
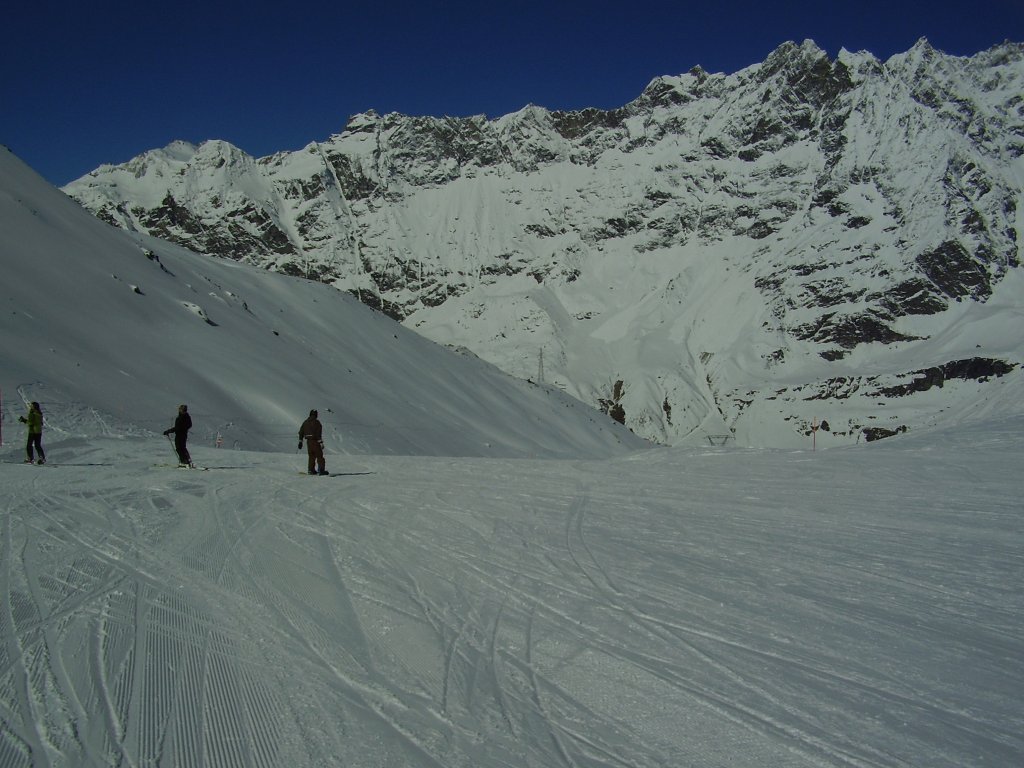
{"x":35,"y":432}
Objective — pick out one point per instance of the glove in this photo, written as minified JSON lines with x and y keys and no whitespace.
{"x":300,"y":443}
{"x":167,"y":432}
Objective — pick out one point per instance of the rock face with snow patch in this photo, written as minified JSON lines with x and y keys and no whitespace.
{"x":708,"y":259}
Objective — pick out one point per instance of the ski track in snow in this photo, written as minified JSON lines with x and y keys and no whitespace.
{"x":716,"y":608}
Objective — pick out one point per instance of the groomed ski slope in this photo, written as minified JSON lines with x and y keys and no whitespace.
{"x":676,"y":607}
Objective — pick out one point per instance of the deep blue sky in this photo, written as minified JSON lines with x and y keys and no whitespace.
{"x":83,"y":84}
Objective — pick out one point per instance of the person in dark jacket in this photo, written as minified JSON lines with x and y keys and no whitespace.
{"x":182,"y":424}
{"x":312,"y":432}
{"x":34,"y":420}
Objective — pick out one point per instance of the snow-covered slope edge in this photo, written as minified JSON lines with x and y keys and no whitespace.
{"x":111,"y":330}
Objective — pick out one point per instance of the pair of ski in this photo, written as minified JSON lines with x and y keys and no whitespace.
{"x":179,"y":465}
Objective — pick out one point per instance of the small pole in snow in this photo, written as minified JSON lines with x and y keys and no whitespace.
{"x":814,"y":433}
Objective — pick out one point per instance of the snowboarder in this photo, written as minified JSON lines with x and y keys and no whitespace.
{"x":182,"y":424}
{"x":312,"y":432}
{"x":35,"y":432}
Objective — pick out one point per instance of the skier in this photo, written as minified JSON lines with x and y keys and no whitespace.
{"x":182,"y":424}
{"x":35,"y":432}
{"x":312,"y":432}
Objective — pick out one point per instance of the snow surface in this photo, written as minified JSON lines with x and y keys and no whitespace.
{"x":673,"y":607}
{"x":603,"y":604}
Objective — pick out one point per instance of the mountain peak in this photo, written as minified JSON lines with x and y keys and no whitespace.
{"x":179,"y":150}
{"x":806,"y":51}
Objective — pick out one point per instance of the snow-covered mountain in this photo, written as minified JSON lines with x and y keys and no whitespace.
{"x":805,"y":242}
{"x":112,"y":330}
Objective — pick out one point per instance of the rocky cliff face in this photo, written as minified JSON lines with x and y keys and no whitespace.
{"x":741,"y":255}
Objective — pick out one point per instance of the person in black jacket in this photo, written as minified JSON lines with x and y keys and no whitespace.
{"x":182,"y":424}
{"x":312,"y":432}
